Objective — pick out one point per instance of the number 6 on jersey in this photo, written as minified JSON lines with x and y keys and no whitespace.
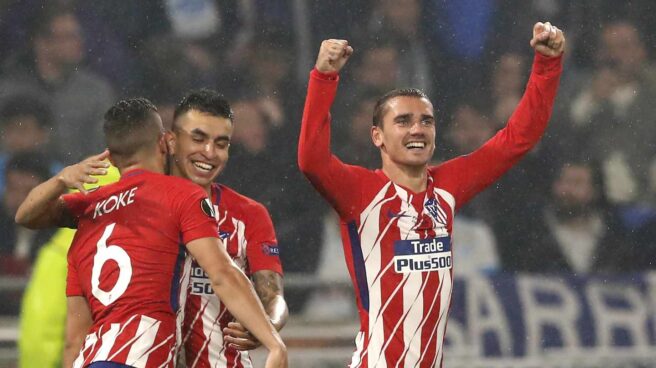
{"x":104,"y":254}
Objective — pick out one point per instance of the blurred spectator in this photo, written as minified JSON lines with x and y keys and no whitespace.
{"x":400,"y":23}
{"x":171,"y":66}
{"x":116,"y":28}
{"x":266,"y":75}
{"x":51,"y":69}
{"x":459,"y":33}
{"x":508,"y":79}
{"x":475,"y":245}
{"x":376,"y":72}
{"x":24,"y":171}
{"x":357,"y":130}
{"x":25,"y":126}
{"x":614,"y":112}
{"x":577,"y":231}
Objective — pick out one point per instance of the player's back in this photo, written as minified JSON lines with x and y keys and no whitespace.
{"x":126,"y":261}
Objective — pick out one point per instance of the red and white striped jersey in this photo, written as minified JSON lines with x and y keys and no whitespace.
{"x":126,"y":260}
{"x":397,"y":243}
{"x":246,"y":228}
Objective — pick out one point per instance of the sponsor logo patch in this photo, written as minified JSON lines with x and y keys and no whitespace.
{"x":422,"y":255}
{"x":270,"y":249}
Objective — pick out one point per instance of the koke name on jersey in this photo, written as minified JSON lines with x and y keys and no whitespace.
{"x":114,"y":202}
{"x":421,"y":255}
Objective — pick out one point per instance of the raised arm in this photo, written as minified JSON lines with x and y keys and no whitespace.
{"x":43,"y":207}
{"x":467,"y":175}
{"x":236,"y":292}
{"x":325,"y":171}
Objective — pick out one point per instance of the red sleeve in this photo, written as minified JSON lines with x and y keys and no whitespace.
{"x":331,"y":177}
{"x":76,"y":203}
{"x":196,"y":213}
{"x":467,"y":175}
{"x":73,"y":287}
{"x":262,"y":249}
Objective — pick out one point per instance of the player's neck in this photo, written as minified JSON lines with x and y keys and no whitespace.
{"x":151,"y":163}
{"x":414,"y":178}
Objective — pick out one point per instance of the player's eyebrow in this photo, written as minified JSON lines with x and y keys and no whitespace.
{"x":204,"y":135}
{"x":198,"y":131}
{"x":403,"y":117}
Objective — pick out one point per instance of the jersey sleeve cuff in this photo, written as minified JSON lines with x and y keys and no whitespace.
{"x":328,"y":77}
{"x":547,"y":66}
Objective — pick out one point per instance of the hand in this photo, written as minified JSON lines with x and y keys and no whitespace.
{"x":333,"y":54}
{"x":75,"y":176}
{"x":239,"y":338}
{"x":548,"y":40}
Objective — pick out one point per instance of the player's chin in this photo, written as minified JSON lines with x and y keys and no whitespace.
{"x":416,"y":161}
{"x":418,"y":158}
{"x":201,"y":177}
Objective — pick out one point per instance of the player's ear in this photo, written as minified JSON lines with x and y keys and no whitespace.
{"x":377,"y":136}
{"x":169,"y":137}
{"x":162,"y":144}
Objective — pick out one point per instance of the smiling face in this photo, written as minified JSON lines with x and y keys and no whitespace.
{"x":406,"y":134}
{"x":199,"y":146}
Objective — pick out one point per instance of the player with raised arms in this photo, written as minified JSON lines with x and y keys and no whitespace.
{"x":125,"y":261}
{"x":396,"y":222}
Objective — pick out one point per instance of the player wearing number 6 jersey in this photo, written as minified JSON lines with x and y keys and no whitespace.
{"x":397,"y":221}
{"x":125,"y":263}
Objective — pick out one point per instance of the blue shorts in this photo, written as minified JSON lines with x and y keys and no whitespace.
{"x":108,"y":365}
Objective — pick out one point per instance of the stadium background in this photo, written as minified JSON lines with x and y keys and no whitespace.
{"x":524,"y":297}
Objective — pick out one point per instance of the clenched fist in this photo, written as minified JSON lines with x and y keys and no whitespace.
{"x":333,"y":54}
{"x":547,"y":39}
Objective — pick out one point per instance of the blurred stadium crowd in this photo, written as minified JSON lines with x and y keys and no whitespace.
{"x":583,"y":202}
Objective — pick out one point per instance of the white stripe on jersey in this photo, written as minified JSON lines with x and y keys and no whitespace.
{"x":379,"y":319}
{"x":199,"y":313}
{"x":107,"y":342}
{"x":185,"y":279}
{"x":165,"y":341}
{"x":376,"y":202}
{"x":445,"y":299}
{"x":240,"y":229}
{"x":356,"y":359}
{"x":145,"y":337}
{"x":89,"y":343}
{"x":418,"y":333}
{"x":448,"y":198}
{"x":413,"y":297}
{"x":212,"y":332}
{"x":369,"y":231}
